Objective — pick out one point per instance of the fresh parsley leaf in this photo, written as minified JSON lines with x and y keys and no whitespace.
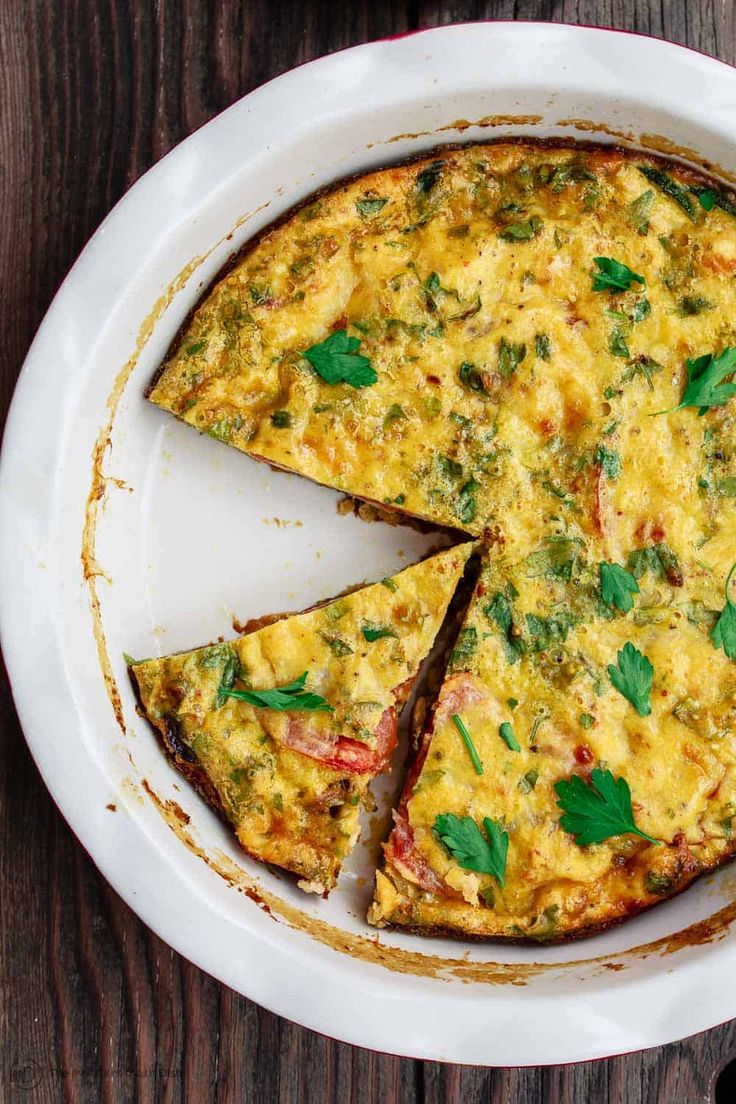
{"x":617,"y":345}
{"x":468,"y":741}
{"x":671,"y":188}
{"x":617,"y":586}
{"x":506,"y":733}
{"x":633,"y":678}
{"x":706,"y":381}
{"x":373,"y":632}
{"x":369,"y":207}
{"x":471,"y":849}
{"x":723,"y":633}
{"x":547,"y":631}
{"x":595,"y":812}
{"x":293,"y":696}
{"x":715,"y":199}
{"x":614,"y":275}
{"x":500,"y":610}
{"x":336,"y":360}
{"x":707,"y":199}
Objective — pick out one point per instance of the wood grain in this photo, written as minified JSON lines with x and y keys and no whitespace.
{"x":93,"y":1007}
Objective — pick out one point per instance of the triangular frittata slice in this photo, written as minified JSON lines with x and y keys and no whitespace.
{"x":600,"y":706}
{"x":282,"y":729}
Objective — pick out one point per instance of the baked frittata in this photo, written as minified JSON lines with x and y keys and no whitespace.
{"x":534,"y":344}
{"x":556,"y":699}
{"x":282,"y":729}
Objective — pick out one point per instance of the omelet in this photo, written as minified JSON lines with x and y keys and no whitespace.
{"x":283,"y":728}
{"x":533,"y":344}
{"x":550,"y":686}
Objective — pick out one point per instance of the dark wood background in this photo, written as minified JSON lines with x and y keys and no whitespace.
{"x":93,"y":1007}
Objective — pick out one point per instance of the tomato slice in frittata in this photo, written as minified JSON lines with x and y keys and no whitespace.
{"x":283,"y":728}
{"x":581,"y":762}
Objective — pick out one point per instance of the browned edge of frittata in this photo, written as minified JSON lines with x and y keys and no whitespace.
{"x":571,"y":936}
{"x":686,"y":172}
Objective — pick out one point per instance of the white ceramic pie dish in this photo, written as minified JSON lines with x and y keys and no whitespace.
{"x":122,"y":530}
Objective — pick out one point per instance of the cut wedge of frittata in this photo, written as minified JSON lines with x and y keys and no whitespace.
{"x":282,"y":729}
{"x":581,"y":762}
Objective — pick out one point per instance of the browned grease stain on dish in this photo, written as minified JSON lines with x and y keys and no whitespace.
{"x":91,"y":569}
{"x":368,"y":949}
{"x":597,"y":128}
{"x":465,"y":124}
{"x":399,"y":959}
{"x":671,"y":149}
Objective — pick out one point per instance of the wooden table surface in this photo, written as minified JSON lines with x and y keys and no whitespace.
{"x":93,"y":1007}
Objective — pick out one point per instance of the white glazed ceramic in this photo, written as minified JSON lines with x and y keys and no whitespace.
{"x":185,"y":538}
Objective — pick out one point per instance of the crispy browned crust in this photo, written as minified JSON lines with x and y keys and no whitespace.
{"x":634,"y":908}
{"x":693,"y":176}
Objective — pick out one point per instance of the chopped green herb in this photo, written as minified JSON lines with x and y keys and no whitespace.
{"x":337,"y":645}
{"x":594,"y":812}
{"x":281,"y":419}
{"x":472,"y":850}
{"x":472,"y":377}
{"x":512,"y":703}
{"x":617,"y":343}
{"x":293,"y":696}
{"x":547,"y":631}
{"x":197,"y":347}
{"x":643,"y":366}
{"x":510,"y":356}
{"x":706,"y":199}
{"x":466,"y":506}
{"x":639,"y":210}
{"x":389,"y":585}
{"x":506,"y":733}
{"x":543,"y":346}
{"x":369,"y":207}
{"x":259,"y":294}
{"x":428,"y":177}
{"x":522,"y":231}
{"x":609,"y":461}
{"x":716,"y":199}
{"x":469,"y":745}
{"x":658,"y":883}
{"x":641,"y":309}
{"x":671,"y":188}
{"x":587,"y":720}
{"x":465,"y":648}
{"x":372,"y":632}
{"x":499,"y":610}
{"x":432,"y":406}
{"x":632,"y":677}
{"x":617,"y":586}
{"x":614,"y":276}
{"x":529,"y":781}
{"x":336,"y":360}
{"x":723,"y":633}
{"x":691,"y":305}
{"x":395,"y":413}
